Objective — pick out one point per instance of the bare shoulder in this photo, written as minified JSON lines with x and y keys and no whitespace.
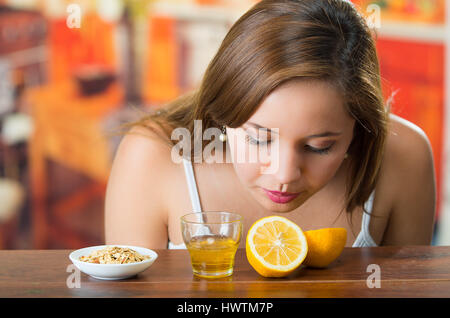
{"x":148,"y":132}
{"x":409,"y":153}
{"x":411,"y":179}
{"x":406,"y":136}
{"x":407,"y":147}
{"x":144,"y":151}
{"x":135,"y":207}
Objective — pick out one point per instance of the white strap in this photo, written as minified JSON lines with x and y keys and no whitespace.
{"x":366,"y":217}
{"x":192,"y":186}
{"x":364,"y":237}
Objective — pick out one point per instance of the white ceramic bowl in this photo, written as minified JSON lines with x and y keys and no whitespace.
{"x":112,"y":271}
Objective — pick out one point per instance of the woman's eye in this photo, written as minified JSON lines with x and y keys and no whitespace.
{"x":319,"y":151}
{"x":254,"y":141}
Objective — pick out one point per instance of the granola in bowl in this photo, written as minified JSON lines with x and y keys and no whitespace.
{"x":114,"y":255}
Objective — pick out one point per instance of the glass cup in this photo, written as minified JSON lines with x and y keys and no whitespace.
{"x":212,"y":239}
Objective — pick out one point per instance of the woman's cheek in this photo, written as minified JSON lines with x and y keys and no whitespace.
{"x":319,"y":174}
{"x":248,"y":173}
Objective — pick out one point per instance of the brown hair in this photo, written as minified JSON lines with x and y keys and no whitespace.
{"x":281,"y":40}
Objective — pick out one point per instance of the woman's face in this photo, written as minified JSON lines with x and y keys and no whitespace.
{"x":302,"y":132}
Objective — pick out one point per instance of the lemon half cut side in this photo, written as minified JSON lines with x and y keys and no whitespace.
{"x":275,"y":246}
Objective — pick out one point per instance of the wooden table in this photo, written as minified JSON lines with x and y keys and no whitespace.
{"x":412,"y":271}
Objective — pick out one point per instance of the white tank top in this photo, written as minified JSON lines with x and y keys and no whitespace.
{"x":363,"y":239}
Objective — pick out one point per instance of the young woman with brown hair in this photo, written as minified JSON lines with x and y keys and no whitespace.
{"x":306,"y":73}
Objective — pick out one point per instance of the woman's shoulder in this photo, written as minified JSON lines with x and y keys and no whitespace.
{"x":408,"y":155}
{"x":147,"y":148}
{"x":141,"y":144}
{"x":150,"y":132}
{"x":409,"y":176}
{"x":143,"y":160}
{"x":407,"y":144}
{"x":406,"y":169}
{"x":407,"y":151}
{"x":136,"y":198}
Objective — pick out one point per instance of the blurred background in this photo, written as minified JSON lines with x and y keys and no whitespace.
{"x":72,"y":71}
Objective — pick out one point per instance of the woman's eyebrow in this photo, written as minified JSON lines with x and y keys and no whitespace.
{"x":261,"y":127}
{"x":324,"y":134}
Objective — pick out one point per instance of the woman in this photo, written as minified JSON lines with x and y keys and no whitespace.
{"x":301,"y":79}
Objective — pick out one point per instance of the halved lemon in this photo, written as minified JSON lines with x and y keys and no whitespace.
{"x":325,"y":245}
{"x":275,"y":246}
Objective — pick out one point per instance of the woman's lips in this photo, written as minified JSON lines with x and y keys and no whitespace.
{"x":280,"y":197}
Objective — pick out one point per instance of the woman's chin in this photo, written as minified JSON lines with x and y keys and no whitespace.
{"x":282,"y":208}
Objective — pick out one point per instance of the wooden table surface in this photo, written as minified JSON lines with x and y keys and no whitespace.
{"x":411,"y":271}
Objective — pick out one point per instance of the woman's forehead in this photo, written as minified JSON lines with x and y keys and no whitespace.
{"x":303,"y":105}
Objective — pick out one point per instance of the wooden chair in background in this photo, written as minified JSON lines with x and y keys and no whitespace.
{"x":12,"y":198}
{"x":68,"y":130}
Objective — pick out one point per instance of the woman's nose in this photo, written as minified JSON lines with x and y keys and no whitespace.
{"x":289,"y":165}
